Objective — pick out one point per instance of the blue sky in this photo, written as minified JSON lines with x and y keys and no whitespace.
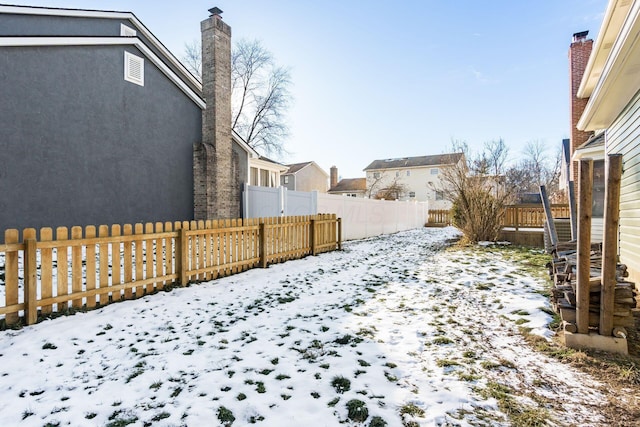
{"x":375,"y":80}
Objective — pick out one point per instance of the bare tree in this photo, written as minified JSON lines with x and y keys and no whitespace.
{"x":394,"y":191}
{"x":192,"y":58}
{"x":476,"y":189}
{"x":260,"y":94}
{"x":379,"y":187}
{"x":536,"y":169}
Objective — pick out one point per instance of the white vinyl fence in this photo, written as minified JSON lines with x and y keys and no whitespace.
{"x":360,"y":217}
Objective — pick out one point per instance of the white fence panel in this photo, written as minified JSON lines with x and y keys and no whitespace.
{"x":261,"y":202}
{"x":360,"y":217}
{"x":300,"y":202}
{"x":366,"y":217}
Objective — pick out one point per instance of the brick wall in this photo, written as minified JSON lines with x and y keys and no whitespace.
{"x":216,"y":177}
{"x":579,"y":53}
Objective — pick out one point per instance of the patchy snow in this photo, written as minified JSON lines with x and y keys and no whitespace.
{"x":417,"y":331}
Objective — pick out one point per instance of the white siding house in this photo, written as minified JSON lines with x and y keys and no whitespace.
{"x":612,"y":86}
{"x":411,"y":178}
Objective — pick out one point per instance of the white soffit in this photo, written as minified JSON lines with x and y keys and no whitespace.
{"x":620,"y":78}
{"x":613,"y":20}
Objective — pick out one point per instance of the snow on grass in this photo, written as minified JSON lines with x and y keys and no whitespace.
{"x":391,"y":330}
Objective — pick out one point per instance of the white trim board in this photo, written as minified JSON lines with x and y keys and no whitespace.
{"x":48,"y":11}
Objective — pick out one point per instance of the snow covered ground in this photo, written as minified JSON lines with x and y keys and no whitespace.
{"x":393,"y":330}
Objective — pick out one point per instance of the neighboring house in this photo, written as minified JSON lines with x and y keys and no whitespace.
{"x":307,"y":176}
{"x":609,"y":90}
{"x":350,"y":187}
{"x":411,"y":178}
{"x":101,"y":124}
{"x":266,"y":172}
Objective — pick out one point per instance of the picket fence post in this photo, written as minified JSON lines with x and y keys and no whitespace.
{"x":181,"y":261}
{"x":313,"y":237}
{"x":263,"y":244}
{"x":30,"y":277}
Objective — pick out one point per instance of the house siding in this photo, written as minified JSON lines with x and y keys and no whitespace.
{"x":80,"y":145}
{"x":623,"y":137}
{"x":14,"y":25}
{"x":311,"y":179}
{"x":420,"y":181}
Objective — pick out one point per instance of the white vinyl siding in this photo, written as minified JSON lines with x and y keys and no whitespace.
{"x":623,"y":137}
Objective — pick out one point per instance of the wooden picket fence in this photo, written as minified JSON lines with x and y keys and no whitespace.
{"x":94,"y":267}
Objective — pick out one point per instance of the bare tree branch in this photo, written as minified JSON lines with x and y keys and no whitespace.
{"x":260,"y":94}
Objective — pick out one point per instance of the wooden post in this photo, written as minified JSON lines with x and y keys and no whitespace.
{"x":516,"y":210}
{"x":339,"y":234}
{"x":610,"y":242}
{"x":11,"y":275}
{"x":181,"y":261}
{"x":313,"y":237}
{"x":263,"y":245}
{"x":553,"y":235}
{"x":30,"y":277}
{"x":46,"y":269}
{"x":76,"y":266}
{"x":572,"y":210}
{"x":585,"y":184}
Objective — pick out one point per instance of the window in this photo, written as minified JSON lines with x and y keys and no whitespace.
{"x":133,"y":69}
{"x":264,"y":178}
{"x":286,"y":179}
{"x":408,"y":173}
{"x":397,"y":174}
{"x":434,"y":171}
{"x":598,"y":189}
{"x":254,"y":176}
{"x":412,"y":194}
{"x":376,"y":175}
{"x":439,"y":195}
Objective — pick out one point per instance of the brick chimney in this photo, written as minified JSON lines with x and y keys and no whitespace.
{"x":579,"y":53}
{"x":215,"y":166}
{"x":333,"y":180}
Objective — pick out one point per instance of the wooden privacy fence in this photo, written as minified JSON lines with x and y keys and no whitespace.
{"x":439,"y":217}
{"x":531,"y":215}
{"x":94,"y":267}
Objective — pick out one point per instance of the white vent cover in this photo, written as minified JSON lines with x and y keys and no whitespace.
{"x":133,"y":69}
{"x":127,"y":31}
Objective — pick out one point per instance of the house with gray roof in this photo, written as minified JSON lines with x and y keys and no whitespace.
{"x":411,"y":178}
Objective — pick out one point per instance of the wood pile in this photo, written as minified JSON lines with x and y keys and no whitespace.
{"x":562,"y":270}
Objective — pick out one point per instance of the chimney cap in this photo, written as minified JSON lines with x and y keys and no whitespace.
{"x":215,"y":11}
{"x":579,"y":36}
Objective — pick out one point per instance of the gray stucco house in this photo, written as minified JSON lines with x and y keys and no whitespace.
{"x":101,"y":124}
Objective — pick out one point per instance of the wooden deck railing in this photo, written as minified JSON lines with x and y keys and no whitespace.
{"x":531,"y":215}
{"x":98,"y":266}
{"x":516,"y":216}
